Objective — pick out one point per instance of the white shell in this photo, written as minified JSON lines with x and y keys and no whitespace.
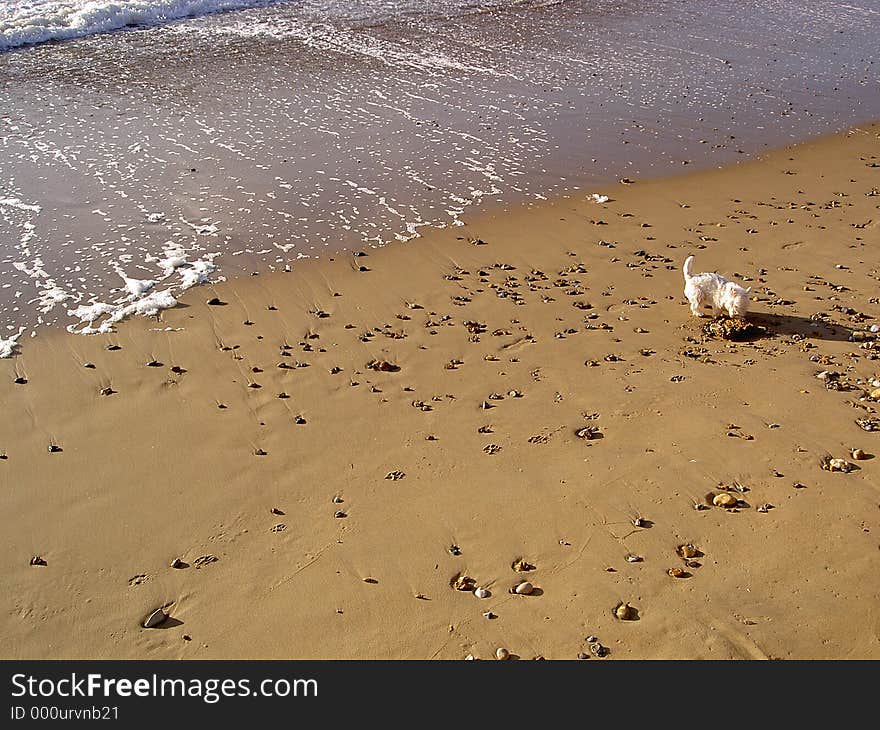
{"x":501,"y":654}
{"x":481,"y":593}
{"x":155,"y":619}
{"x":524,"y":589}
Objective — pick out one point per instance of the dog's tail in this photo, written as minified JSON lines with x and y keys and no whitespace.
{"x":688,"y":262}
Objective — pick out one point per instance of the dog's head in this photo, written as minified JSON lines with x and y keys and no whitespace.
{"x":737,"y":299}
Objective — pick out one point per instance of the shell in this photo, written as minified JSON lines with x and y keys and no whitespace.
{"x":687,"y":550}
{"x":481,"y":593}
{"x":524,"y":589}
{"x":521,"y":566}
{"x":156,"y":618}
{"x":839,"y":465}
{"x":724,"y":500}
{"x":463,"y":583}
{"x":677,"y":573}
{"x":625,"y":612}
{"x":501,"y":654}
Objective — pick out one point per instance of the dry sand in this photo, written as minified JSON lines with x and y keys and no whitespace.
{"x":191,"y":463}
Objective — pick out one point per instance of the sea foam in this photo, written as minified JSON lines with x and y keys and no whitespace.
{"x":24,"y":22}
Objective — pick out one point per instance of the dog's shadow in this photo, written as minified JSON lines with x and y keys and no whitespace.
{"x":788,"y":325}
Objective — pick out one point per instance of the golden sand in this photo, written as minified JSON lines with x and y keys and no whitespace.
{"x":526,"y":398}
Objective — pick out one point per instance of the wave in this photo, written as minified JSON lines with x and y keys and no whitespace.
{"x":26,"y":22}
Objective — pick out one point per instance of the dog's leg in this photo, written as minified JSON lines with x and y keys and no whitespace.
{"x":695,"y":307}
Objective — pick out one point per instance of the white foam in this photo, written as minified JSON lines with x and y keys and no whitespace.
{"x":16,"y":202}
{"x":176,"y":260}
{"x":7,"y":346}
{"x":89,"y":315}
{"x":137,"y":287}
{"x":25,"y":22}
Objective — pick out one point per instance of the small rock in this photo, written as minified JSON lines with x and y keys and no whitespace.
{"x":625,"y":612}
{"x":177,"y":563}
{"x":524,"y":589}
{"x":481,"y":593}
{"x":858,"y":454}
{"x":841,"y":465}
{"x":37,"y":560}
{"x":725,"y":500}
{"x":687,"y":550}
{"x":501,"y":654}
{"x":157,"y":618}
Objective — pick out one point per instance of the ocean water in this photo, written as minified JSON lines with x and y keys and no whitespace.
{"x":148,"y":146}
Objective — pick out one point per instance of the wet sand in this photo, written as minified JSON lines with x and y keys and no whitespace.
{"x":542,"y":393}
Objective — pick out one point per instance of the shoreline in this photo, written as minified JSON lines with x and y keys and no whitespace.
{"x":471,"y":217}
{"x":568,"y":316}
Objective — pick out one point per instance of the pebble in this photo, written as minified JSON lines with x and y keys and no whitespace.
{"x":481,"y":593}
{"x":625,"y":612}
{"x":841,"y":465}
{"x":687,"y":550}
{"x":178,"y":563}
{"x":37,"y":560}
{"x":501,"y":654}
{"x":156,"y":618}
{"x":724,"y":500}
{"x":524,"y":589}
{"x":858,"y":454}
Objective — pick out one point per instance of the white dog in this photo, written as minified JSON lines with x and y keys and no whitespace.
{"x":725,"y":297}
